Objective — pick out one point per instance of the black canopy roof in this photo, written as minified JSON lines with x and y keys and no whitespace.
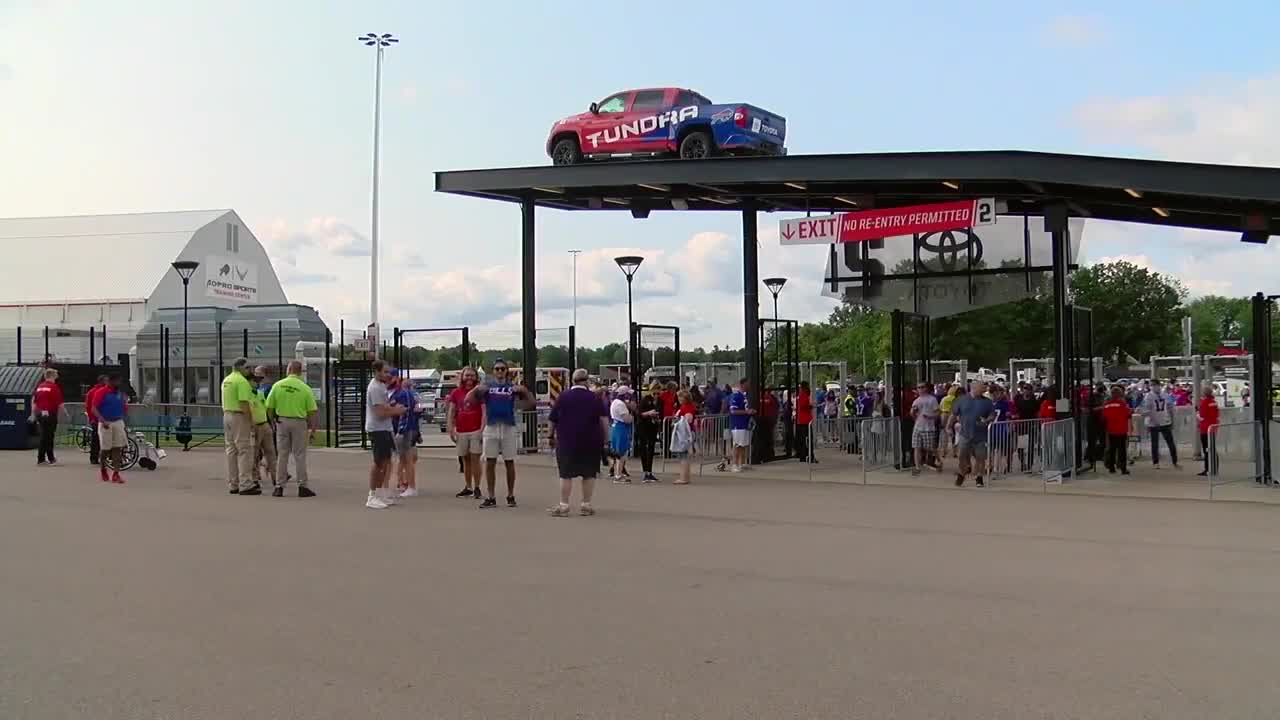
{"x":1215,"y":197}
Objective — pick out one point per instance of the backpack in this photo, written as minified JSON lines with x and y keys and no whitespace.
{"x":682,"y":436}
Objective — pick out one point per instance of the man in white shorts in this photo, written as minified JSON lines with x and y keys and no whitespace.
{"x":740,"y":425}
{"x":499,"y":397}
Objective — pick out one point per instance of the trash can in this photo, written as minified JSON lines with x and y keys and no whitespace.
{"x":17,"y":383}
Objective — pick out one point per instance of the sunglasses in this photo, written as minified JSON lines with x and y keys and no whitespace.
{"x":500,"y":368}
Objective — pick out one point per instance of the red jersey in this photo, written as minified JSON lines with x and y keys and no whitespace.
{"x":48,"y":397}
{"x":1048,"y":411}
{"x":1115,"y":415}
{"x":91,"y":400}
{"x":1208,"y":413}
{"x":668,"y":398}
{"x":466,"y":412}
{"x":687,"y":409}
{"x":804,"y":408}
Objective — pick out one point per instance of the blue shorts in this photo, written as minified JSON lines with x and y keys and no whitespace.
{"x":620,"y":438}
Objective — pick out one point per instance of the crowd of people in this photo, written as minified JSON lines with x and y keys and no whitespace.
{"x":595,"y":427}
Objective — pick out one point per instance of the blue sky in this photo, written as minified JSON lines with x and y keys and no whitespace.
{"x":266,"y":108}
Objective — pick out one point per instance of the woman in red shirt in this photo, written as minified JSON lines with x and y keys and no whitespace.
{"x":1207,"y":414}
{"x":804,"y":418}
{"x":682,"y":435}
{"x":1049,"y":405}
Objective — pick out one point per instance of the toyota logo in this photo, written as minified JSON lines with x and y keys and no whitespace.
{"x":948,"y":247}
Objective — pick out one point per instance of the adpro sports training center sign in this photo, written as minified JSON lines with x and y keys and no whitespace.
{"x":865,"y":225}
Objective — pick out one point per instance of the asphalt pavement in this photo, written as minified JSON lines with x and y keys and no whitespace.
{"x":740,"y":596}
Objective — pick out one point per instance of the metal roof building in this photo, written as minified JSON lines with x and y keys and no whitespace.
{"x":74,"y":273}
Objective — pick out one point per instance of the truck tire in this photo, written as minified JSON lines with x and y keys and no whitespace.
{"x":697,"y":145}
{"x":566,"y":152}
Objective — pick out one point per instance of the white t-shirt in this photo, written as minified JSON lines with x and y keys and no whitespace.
{"x":619,"y":411}
{"x":926,"y":407}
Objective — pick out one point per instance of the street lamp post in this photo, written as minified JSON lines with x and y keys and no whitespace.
{"x":629,"y":264}
{"x":381,"y":42}
{"x":775,"y":286}
{"x":185,"y":269}
{"x":575,"y":254}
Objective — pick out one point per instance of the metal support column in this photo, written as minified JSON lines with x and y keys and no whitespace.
{"x":1055,"y":223}
{"x":19,"y":345}
{"x":466,"y":347}
{"x":528,"y":308}
{"x":217,"y":374}
{"x":751,"y":304}
{"x":326,"y":377}
{"x":1263,"y":403}
{"x":244,"y":350}
{"x":573,"y":348}
{"x":92,"y":347}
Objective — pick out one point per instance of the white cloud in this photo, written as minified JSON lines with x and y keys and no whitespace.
{"x":1074,"y":31}
{"x":409,"y":93}
{"x":1222,"y":121}
{"x":1141,"y":261}
{"x":6,"y":72}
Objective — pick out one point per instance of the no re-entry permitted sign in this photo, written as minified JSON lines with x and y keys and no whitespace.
{"x":886,"y":222}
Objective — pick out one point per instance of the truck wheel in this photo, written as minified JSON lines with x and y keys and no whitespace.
{"x":566,"y":152}
{"x":697,"y":145}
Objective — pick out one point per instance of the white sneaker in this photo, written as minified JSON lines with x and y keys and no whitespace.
{"x":389,"y":500}
{"x":409,"y":492}
{"x":735,"y":468}
{"x":375,"y":503}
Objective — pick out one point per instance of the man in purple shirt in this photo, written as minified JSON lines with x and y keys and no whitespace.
{"x":579,"y":423}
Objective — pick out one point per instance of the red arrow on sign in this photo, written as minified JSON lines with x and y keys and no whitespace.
{"x":788,"y":233}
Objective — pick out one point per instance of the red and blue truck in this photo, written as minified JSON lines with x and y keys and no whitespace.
{"x":665,"y":122}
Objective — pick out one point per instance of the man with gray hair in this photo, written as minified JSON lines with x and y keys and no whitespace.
{"x":293,"y":406}
{"x":579,"y":425}
{"x":237,"y":428}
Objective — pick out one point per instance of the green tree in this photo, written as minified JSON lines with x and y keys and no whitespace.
{"x":1135,"y":311}
{"x":1215,"y":318}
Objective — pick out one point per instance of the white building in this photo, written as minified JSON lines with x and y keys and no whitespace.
{"x":73,"y":274}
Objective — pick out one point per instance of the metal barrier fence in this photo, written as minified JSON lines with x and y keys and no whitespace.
{"x":711,"y":441}
{"x":839,"y":435}
{"x":1186,"y":428}
{"x":1014,"y":448}
{"x":1058,"y":450}
{"x":1235,"y":453}
{"x":881,"y":444}
{"x":158,"y":420}
{"x":533,"y":429}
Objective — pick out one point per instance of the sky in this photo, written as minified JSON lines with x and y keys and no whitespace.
{"x":267,"y":108}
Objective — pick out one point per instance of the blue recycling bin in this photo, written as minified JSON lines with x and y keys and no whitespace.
{"x":17,"y":383}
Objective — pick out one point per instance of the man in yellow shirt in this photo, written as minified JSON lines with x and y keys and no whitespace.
{"x":946,"y":444}
{"x":237,"y":429}
{"x":264,"y":439}
{"x":293,"y":405}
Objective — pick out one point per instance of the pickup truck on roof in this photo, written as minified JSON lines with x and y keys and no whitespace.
{"x":665,"y":122}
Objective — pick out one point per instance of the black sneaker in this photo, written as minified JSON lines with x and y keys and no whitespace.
{"x":978,"y":481}
{"x":1124,"y":472}
{"x":256,"y":489}
{"x":478,"y":494}
{"x":489,"y":503}
{"x":959,"y":480}
{"x":234,"y":491}
{"x":305,"y":491}
{"x":511,"y":501}
{"x":277,"y":492}
{"x":465,"y":493}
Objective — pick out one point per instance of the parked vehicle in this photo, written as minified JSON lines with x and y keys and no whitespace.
{"x":665,"y":122}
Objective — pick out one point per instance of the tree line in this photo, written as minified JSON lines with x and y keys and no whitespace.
{"x":1136,"y":313}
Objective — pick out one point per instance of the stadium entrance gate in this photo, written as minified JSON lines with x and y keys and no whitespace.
{"x":350,"y":381}
{"x":655,"y":355}
{"x":1078,"y":389}
{"x":909,"y":352}
{"x":775,"y":428}
{"x":432,"y":379}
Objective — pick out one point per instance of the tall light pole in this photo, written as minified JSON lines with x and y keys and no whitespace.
{"x":629,"y":264}
{"x":381,"y":42}
{"x":775,"y":286}
{"x":575,"y":254}
{"x":185,"y":269}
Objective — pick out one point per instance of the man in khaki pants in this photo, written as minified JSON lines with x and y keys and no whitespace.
{"x":264,"y":438}
{"x":237,"y":429}
{"x":293,"y":405}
